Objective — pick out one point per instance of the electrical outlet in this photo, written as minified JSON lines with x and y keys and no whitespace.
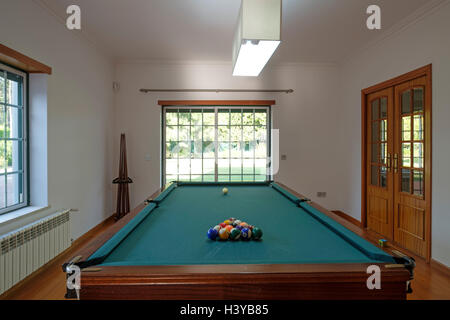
{"x":321,"y":194}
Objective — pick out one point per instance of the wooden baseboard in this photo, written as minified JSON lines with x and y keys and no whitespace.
{"x":440,"y":267}
{"x":347,"y":217}
{"x":18,"y":286}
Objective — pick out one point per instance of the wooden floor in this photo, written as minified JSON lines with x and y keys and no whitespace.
{"x":48,"y":283}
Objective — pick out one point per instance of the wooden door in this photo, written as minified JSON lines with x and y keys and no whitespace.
{"x":412,"y":164}
{"x":396,"y":153}
{"x":380,"y":147}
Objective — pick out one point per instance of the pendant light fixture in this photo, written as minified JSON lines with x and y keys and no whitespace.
{"x":258,"y":35}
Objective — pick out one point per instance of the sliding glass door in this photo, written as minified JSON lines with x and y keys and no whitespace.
{"x":215,"y":144}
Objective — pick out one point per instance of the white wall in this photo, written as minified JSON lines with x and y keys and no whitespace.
{"x":425,"y":42}
{"x":306,"y":119}
{"x":80,"y":106}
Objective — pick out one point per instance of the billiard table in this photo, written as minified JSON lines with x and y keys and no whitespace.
{"x":160,"y":250}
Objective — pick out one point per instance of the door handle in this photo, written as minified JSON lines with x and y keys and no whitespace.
{"x":388,"y":162}
{"x":395,"y":163}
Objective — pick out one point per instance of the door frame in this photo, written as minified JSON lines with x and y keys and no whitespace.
{"x":423,"y":71}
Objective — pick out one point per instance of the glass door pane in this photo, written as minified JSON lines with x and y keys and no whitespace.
{"x":412,"y":148}
{"x":379,"y":142}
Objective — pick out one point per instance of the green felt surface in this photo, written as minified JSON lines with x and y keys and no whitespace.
{"x":175,"y":232}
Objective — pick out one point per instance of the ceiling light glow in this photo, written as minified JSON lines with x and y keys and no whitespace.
{"x":253,"y":56}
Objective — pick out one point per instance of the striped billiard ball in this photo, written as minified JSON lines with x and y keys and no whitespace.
{"x":224,"y":234}
{"x":246,"y":234}
{"x":235,"y":234}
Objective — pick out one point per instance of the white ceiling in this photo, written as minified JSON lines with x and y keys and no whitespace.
{"x":202,"y":30}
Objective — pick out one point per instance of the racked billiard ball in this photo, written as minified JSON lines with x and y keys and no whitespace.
{"x":212,"y":234}
{"x":223,"y":225}
{"x":244,"y":224}
{"x":217,"y":228}
{"x":246,"y":234}
{"x":239,"y":227}
{"x":235,"y":234}
{"x":224,"y":234}
{"x":256,"y":233}
{"x":229,"y":228}
{"x":227,"y":222}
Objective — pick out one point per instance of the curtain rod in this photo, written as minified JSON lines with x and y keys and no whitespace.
{"x":216,"y":90}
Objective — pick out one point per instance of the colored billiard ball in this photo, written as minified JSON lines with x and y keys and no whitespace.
{"x":222,"y":225}
{"x":225,"y":191}
{"x":235,"y":234}
{"x":239,"y":227}
{"x":227,"y":222}
{"x":232,"y":219}
{"x":212,"y":234}
{"x":217,"y":228}
{"x":237,"y":222}
{"x":224,"y":234}
{"x":246,"y":234}
{"x":256,"y":233}
{"x":244,"y":224}
{"x":229,"y":228}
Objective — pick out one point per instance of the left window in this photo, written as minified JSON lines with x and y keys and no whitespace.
{"x":13,"y":149}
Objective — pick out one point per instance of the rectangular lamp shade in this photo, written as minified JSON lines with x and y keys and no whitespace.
{"x":258,"y":35}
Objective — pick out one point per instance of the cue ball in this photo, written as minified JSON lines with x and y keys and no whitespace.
{"x":225,"y":191}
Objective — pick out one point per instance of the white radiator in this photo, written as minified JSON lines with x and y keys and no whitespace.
{"x":25,"y":250}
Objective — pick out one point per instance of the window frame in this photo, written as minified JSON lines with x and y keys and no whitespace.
{"x":216,"y":108}
{"x":25,"y":158}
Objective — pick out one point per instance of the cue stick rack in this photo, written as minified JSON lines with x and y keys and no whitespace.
{"x":123,"y":196}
